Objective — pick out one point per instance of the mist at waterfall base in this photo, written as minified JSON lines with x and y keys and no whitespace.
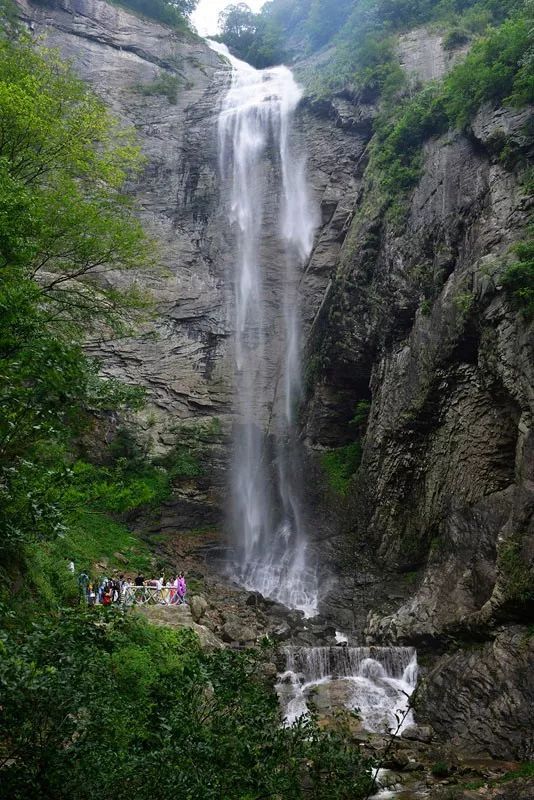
{"x":375,"y":681}
{"x":259,"y":162}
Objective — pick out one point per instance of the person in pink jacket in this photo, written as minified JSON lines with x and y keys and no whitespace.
{"x":182,"y":588}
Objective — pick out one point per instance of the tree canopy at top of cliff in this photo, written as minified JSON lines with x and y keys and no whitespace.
{"x":286,"y":28}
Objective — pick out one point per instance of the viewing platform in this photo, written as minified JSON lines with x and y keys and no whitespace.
{"x":150,"y":596}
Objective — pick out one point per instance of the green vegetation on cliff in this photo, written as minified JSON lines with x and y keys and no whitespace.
{"x":64,"y":219}
{"x":518,"y":278}
{"x":363,"y":61}
{"x":497,"y":70}
{"x":358,"y":31}
{"x":174,"y":13}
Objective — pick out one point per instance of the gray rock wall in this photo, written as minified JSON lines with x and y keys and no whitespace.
{"x":434,"y":544}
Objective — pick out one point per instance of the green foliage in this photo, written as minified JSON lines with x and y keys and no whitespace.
{"x":361,"y":414}
{"x":100,"y":703}
{"x":518,"y":279}
{"x":492,"y":72}
{"x":173,"y":13}
{"x":517,"y":573}
{"x":325,"y":18}
{"x":185,"y":459}
{"x":94,"y":538}
{"x":455,"y":38}
{"x":426,"y":307}
{"x":340,"y":466}
{"x":166,"y":84}
{"x":64,"y":218}
{"x":440,"y":769}
{"x":464,"y":302}
{"x":182,"y":462}
{"x":114,"y":489}
{"x":525,"y":770}
{"x":255,"y":38}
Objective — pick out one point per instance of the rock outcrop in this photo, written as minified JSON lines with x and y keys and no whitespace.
{"x":435,"y":541}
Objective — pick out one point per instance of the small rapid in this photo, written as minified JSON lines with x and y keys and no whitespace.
{"x":377,"y":682}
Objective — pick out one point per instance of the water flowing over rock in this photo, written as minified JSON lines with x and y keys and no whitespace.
{"x":377,"y":682}
{"x":256,"y":149}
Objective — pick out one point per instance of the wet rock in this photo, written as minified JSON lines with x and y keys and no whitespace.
{"x":269,"y":670}
{"x":413,"y":766}
{"x":330,"y":697}
{"x":418,"y":733}
{"x":255,"y":599}
{"x":397,"y":760}
{"x":281,"y":632}
{"x":481,"y":699}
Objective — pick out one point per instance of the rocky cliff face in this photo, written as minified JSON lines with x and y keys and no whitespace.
{"x":436,"y":542}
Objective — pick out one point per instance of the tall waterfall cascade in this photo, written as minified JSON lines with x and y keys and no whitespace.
{"x":375,"y":681}
{"x":272,"y":220}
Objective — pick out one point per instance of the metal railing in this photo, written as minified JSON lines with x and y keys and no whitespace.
{"x":150,"y":596}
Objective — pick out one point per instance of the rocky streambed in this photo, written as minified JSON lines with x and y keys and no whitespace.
{"x":339,"y":679}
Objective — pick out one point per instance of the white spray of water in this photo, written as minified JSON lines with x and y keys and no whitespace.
{"x":255,"y":139}
{"x":378,"y":681}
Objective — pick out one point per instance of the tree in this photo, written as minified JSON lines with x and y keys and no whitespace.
{"x":65,"y":221}
{"x":325,"y":19}
{"x":100,"y":703}
{"x":238,"y":24}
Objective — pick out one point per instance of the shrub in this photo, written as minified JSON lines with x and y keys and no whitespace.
{"x":99,"y":703}
{"x":440,"y":769}
{"x":165,"y":84}
{"x":173,"y":14}
{"x":455,"y":38}
{"x":518,"y":279}
{"x":341,"y":465}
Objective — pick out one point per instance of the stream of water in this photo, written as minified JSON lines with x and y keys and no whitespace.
{"x":375,"y":681}
{"x":272,"y":220}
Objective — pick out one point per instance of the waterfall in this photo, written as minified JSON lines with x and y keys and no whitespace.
{"x":376,"y":681}
{"x":272,"y":220}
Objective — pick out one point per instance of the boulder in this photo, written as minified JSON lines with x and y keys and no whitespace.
{"x":234,"y":630}
{"x":281,"y":632}
{"x":418,"y":733}
{"x":330,"y":697}
{"x":179,"y":617}
{"x":199,"y":606}
{"x":268,"y":670}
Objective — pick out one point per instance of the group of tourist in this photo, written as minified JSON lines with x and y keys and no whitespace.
{"x":120,"y":589}
{"x":169,"y":592}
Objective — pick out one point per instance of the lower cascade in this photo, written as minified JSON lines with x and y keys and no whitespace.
{"x":377,"y":682}
{"x":271,"y":225}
